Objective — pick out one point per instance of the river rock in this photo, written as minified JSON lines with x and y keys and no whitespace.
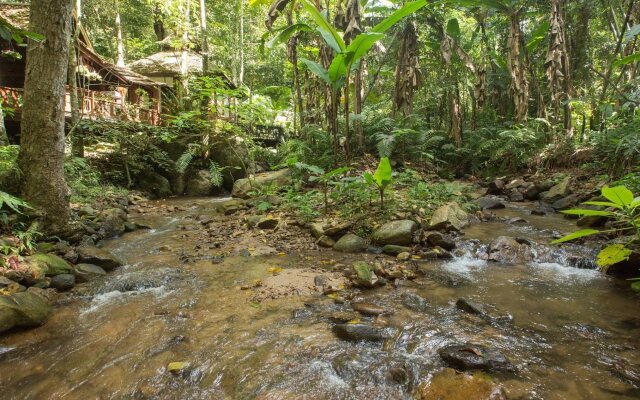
{"x":450,"y":384}
{"x":317,"y":230}
{"x":88,"y":272}
{"x":565,"y":202}
{"x":154,"y":184}
{"x":469,"y":357}
{"x":414,"y":302}
{"x":394,"y":250}
{"x":489,"y":203}
{"x":449,"y":216}
{"x":50,"y":264}
{"x":558,"y":191}
{"x":364,"y":274}
{"x":242,"y":187}
{"x":199,"y":184}
{"x":515,"y":195}
{"x":268,"y":223}
{"x":337,"y":229}
{"x":99,"y":257}
{"x":627,"y":269}
{"x":113,"y":222}
{"x":495,"y":187}
{"x":350,"y":243}
{"x":437,"y":239}
{"x":325,"y":241}
{"x":470,"y":307}
{"x":369,"y":309}
{"x":506,"y":249}
{"x":395,"y":232}
{"x":63,"y":282}
{"x":358,"y":332}
{"x":405,"y":256}
{"x":23,"y":309}
{"x":230,"y":206}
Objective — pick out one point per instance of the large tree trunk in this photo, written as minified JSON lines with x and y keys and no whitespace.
{"x":42,"y":138}
{"x":119,"y":41}
{"x":77,"y":141}
{"x":241,"y":49}
{"x":557,"y":66}
{"x":4,"y":138}
{"x":407,"y":71}
{"x":205,"y":40}
{"x":185,"y":9}
{"x":519,"y":84}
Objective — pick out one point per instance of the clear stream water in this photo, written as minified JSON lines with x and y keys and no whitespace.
{"x":563,"y":327}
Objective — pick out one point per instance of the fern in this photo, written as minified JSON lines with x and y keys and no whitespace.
{"x":216,"y":174}
{"x":184,"y":161}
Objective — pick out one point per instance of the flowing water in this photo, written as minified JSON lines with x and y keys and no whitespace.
{"x":565,"y":328}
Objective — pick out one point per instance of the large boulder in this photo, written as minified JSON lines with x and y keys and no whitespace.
{"x":395,"y":232}
{"x":242,"y":187}
{"x":200,"y":184}
{"x":113,"y":222}
{"x":449,"y":216}
{"x":496,"y":187}
{"x":154,"y":184}
{"x":23,"y":309}
{"x":48,"y":264}
{"x":99,"y":257}
{"x":558,"y":191}
{"x":350,"y":243}
{"x":506,"y":249}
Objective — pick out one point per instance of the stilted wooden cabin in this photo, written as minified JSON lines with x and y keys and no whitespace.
{"x":105,"y":90}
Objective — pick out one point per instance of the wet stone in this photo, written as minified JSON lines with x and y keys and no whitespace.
{"x":358,"y":332}
{"x":63,"y":282}
{"x":471,"y":357}
{"x":369,"y":309}
{"x":414,"y":302}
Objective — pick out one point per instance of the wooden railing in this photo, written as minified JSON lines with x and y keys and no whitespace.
{"x":92,"y":105}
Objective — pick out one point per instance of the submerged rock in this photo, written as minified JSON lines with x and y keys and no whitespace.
{"x":350,"y":243}
{"x":395,"y":232}
{"x":88,"y":272}
{"x":414,"y":302}
{"x":358,"y":332}
{"x":369,"y":309}
{"x":99,"y":257}
{"x":489,"y":203}
{"x":470,"y":307}
{"x":452,"y":385}
{"x":23,"y":309}
{"x":508,"y":250}
{"x":469,"y":357}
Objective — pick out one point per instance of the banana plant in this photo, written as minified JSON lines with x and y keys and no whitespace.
{"x":381,"y":179}
{"x":346,"y":57}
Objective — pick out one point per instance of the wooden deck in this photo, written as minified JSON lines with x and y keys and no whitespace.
{"x":94,"y":105}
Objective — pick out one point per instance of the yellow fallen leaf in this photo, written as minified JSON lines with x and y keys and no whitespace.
{"x":332,"y":296}
{"x":354,"y":321}
{"x":281,"y":254}
{"x":274,"y":270}
{"x":415,"y":257}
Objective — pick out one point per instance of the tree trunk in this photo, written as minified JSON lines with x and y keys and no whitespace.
{"x":241,"y":70}
{"x":519,"y":85}
{"x":4,"y":138}
{"x":42,"y":137}
{"x":119,"y":41}
{"x":205,"y":39}
{"x":185,"y":9}
{"x":77,"y":141}
{"x":557,"y":66}
{"x":407,"y":72}
{"x":357,"y":85}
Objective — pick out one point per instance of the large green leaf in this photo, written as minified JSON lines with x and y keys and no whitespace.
{"x":576,"y":235}
{"x":613,"y":254}
{"x":538,"y":35}
{"x":286,"y":33}
{"x":328,"y":32}
{"x":397,"y":15}
{"x":361,"y":45}
{"x":627,"y":60}
{"x":453,"y":28}
{"x":317,"y":70}
{"x":338,"y":70}
{"x":602,"y":203}
{"x":586,"y":212}
{"x":618,"y":194}
{"x":383,"y":173}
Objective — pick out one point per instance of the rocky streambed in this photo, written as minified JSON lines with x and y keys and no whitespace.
{"x":210,"y":306}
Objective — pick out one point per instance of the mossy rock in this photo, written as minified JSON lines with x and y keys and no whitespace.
{"x":50,"y":264}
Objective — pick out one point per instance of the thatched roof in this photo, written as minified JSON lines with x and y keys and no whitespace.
{"x":16,"y":14}
{"x":167,"y":64}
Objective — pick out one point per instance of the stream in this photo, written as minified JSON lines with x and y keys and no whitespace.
{"x":568,"y":330}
